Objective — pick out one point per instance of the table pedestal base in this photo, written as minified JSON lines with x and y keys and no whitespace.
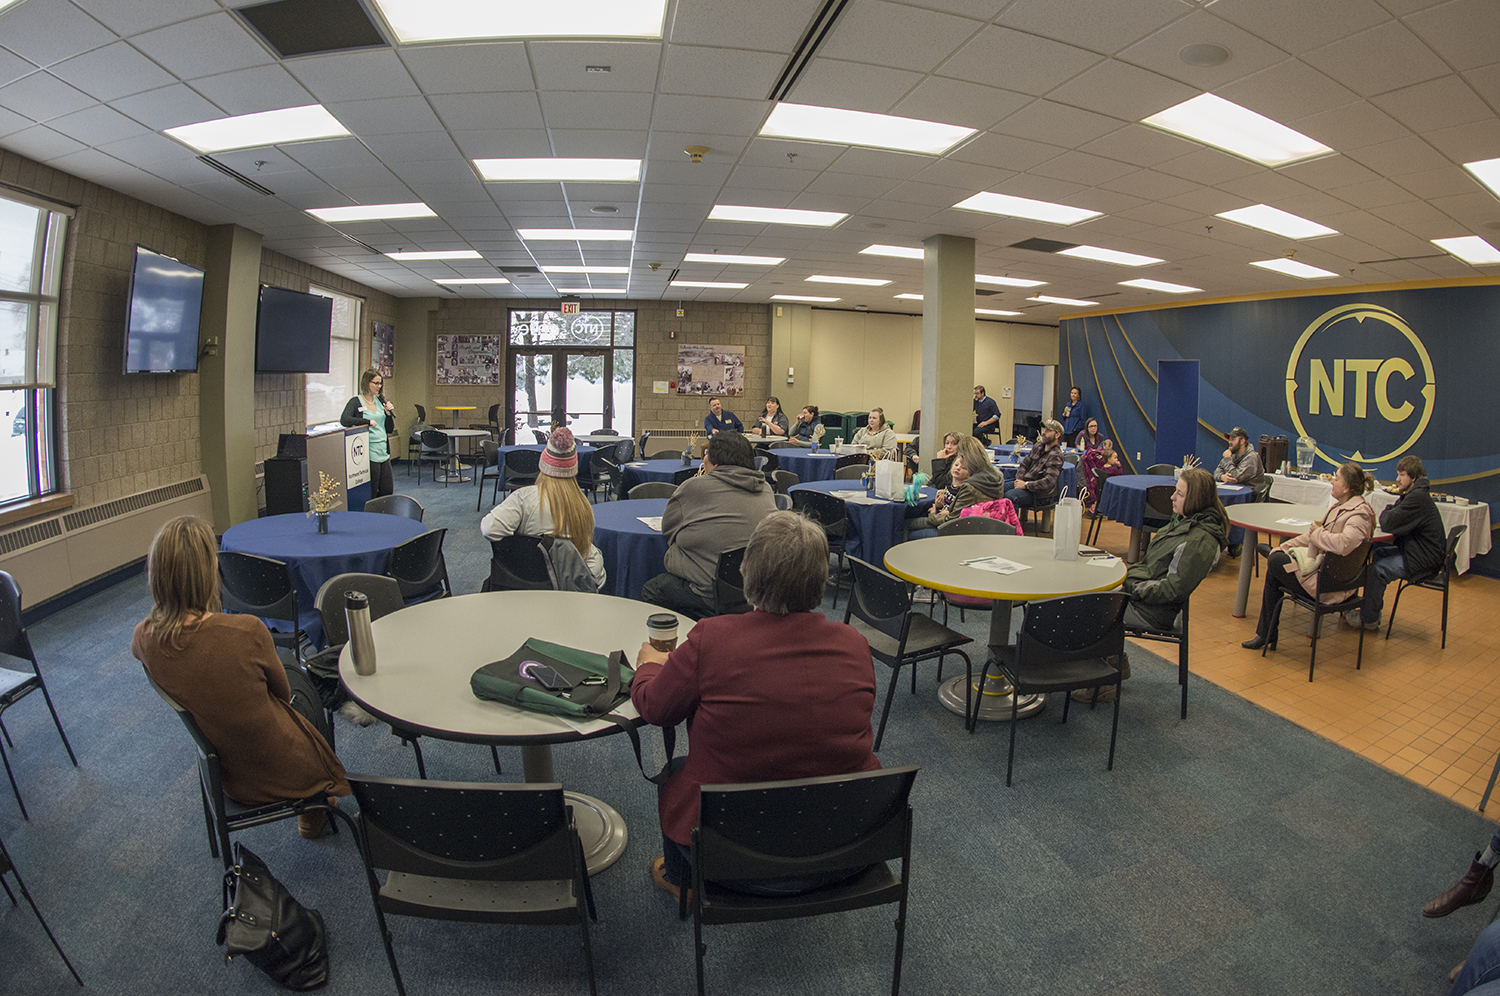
{"x":994,"y":702}
{"x":601,"y":829}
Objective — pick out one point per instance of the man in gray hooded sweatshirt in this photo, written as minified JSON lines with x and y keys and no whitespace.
{"x":711,"y":513}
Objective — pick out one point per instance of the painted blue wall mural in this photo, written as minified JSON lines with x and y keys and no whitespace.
{"x":1371,"y":376}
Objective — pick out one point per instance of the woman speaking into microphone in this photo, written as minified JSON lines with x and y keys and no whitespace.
{"x":369,"y":408}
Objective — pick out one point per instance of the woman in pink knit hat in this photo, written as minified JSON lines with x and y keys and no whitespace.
{"x":553,"y":506}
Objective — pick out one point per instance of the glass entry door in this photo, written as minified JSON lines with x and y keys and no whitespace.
{"x":551,"y":387}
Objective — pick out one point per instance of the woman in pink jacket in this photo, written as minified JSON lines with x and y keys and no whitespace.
{"x":1350,"y":522}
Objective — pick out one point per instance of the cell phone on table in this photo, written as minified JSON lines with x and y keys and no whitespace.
{"x":545,"y":676}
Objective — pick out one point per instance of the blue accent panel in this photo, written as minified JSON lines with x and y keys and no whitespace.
{"x":355,"y":498}
{"x":1028,"y":387}
{"x":1176,"y":409}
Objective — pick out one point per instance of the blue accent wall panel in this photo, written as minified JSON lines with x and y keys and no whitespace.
{"x":1176,"y":410}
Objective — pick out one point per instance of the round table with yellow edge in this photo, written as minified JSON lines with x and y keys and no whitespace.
{"x":938,"y":563}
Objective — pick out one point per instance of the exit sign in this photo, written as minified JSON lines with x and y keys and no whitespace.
{"x":571,"y":307}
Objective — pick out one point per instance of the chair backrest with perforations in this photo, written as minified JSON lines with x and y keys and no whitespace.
{"x":1159,"y":497}
{"x":522,"y":463}
{"x":824,"y":509}
{"x":881,"y":600}
{"x":417,"y":565}
{"x":257,"y":586}
{"x":685,"y":474}
{"x":404,"y":505}
{"x":729,"y":584}
{"x":971,"y":525}
{"x":13,"y":638}
{"x":1074,"y":627}
{"x":519,"y":563}
{"x":1343,"y":572}
{"x":383,"y":593}
{"x":1161,"y":469}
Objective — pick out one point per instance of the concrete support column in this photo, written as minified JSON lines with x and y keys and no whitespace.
{"x":791,"y":348}
{"x":226,"y":377}
{"x":947,"y":340}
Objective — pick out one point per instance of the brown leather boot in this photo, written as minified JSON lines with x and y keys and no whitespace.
{"x":1470,"y":889}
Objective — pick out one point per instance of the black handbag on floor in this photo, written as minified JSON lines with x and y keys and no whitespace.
{"x":263,"y":922}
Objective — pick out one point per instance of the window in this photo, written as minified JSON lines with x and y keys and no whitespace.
{"x":31,"y":251}
{"x":597,"y":351}
{"x":328,"y":393}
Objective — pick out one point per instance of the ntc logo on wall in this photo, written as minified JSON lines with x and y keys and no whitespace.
{"x":1359,"y":371}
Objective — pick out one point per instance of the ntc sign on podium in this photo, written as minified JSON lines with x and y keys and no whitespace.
{"x":344,"y":455}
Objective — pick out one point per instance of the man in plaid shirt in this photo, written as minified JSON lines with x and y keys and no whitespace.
{"x":1036,"y":478}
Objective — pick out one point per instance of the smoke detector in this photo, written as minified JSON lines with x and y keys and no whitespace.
{"x":695,"y":153}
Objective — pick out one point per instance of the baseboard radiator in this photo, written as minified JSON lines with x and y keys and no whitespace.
{"x":60,"y":552}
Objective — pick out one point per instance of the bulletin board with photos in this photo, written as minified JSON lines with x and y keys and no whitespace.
{"x":711,"y":370}
{"x":464,"y":360}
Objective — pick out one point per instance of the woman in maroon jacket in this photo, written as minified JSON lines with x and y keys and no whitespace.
{"x":777,"y":693}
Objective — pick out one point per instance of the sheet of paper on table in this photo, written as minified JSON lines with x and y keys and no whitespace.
{"x":637,"y":463}
{"x":1293,"y":522}
{"x":859,"y":498}
{"x":651,"y":521}
{"x":996,"y":565}
{"x":1229,"y":487}
{"x":1103,"y":561}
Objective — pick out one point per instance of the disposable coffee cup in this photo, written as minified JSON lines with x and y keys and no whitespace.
{"x":661,"y":630}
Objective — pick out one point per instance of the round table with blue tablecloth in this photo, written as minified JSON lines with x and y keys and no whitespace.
{"x":356,"y":542}
{"x":1066,"y":478}
{"x":1010,"y":451}
{"x":807,"y":465}
{"x":641,"y":471}
{"x":873,"y":528}
{"x":1124,"y":500}
{"x":633,"y":552}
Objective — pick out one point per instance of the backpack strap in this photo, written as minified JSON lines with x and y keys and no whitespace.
{"x":606,"y":694}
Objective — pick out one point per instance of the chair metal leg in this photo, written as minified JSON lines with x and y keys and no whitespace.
{"x":1485,"y":800}
{"x":13,"y":787}
{"x":1114,"y":727}
{"x":1391,"y":621}
{"x":1010,"y":760}
{"x":1446,"y":579}
{"x":1182,"y":671}
{"x":1317,"y":628}
{"x":495,"y":753}
{"x":40,"y":919}
{"x":890,"y":693}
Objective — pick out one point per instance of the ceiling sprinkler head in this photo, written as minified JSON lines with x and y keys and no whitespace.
{"x":695,"y":153}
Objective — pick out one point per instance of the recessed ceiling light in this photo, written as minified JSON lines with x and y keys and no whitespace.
{"x":804,"y":297}
{"x":900,"y":252}
{"x":1276,"y":221}
{"x":1044,"y":299}
{"x":439,"y":254}
{"x":856,"y":281}
{"x":1292,"y":268}
{"x":720,"y":284}
{"x":1161,"y":285}
{"x":444,"y":20}
{"x":1109,"y":256}
{"x":1025,"y":207}
{"x":981,"y":278}
{"x":724,"y":257}
{"x":585,"y":269}
{"x":591,"y":290}
{"x":1487,"y":171}
{"x":576,"y":234}
{"x":1228,"y":126}
{"x":559,"y":170}
{"x":908,"y":297}
{"x":775,"y":216}
{"x":992,"y":311}
{"x":466,"y":281}
{"x":1203,"y":54}
{"x":1470,"y":249}
{"x":263,"y":128}
{"x":879,"y":131}
{"x":373,"y":212}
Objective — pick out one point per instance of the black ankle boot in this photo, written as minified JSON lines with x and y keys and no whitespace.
{"x":1470,"y":889}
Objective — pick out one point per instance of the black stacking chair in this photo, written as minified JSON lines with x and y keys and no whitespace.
{"x":521,"y":468}
{"x":850,"y":460}
{"x":520,"y":834}
{"x":783,"y":502}
{"x":260,"y":586}
{"x":830,"y":513}
{"x":1433,"y":581}
{"x":396,"y":505}
{"x":1077,"y":641}
{"x":489,"y":468}
{"x":852,"y":472}
{"x":434,"y":451}
{"x":493,"y":423}
{"x":16,"y":685}
{"x":1161,"y":469}
{"x":685,"y":474}
{"x":783,"y":481}
{"x":1176,"y":633}
{"x":414,"y":446}
{"x":421,"y":413}
{"x":419,"y":568}
{"x":664,"y":455}
{"x":1344,"y":575}
{"x":767,"y":462}
{"x":1158,"y":510}
{"x":8,"y":867}
{"x":971,"y":525}
{"x":383,"y":592}
{"x":1098,"y":520}
{"x":881,"y":603}
{"x":830,"y":826}
{"x":541,"y":437}
{"x":652,"y":489}
{"x":729,"y":584}
{"x":519,"y":563}
{"x":624,"y":451}
{"x":600,"y":474}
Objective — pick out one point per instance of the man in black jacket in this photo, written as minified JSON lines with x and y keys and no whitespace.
{"x":1420,"y":544}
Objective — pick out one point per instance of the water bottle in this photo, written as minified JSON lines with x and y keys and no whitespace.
{"x":687,"y":456}
{"x":361,"y":639}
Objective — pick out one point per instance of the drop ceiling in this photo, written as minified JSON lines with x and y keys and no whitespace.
{"x":1404,"y":91}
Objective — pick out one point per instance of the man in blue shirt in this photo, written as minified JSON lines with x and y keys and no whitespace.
{"x":717,"y":419}
{"x":1075,"y":415}
{"x":986,"y":415}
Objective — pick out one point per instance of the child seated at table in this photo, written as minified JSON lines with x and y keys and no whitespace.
{"x":1097,"y":466}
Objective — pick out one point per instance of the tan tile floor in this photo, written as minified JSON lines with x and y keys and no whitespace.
{"x":1430,"y":714}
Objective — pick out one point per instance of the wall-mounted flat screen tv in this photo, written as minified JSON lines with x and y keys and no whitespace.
{"x":292,"y":330}
{"x":162,"y":310}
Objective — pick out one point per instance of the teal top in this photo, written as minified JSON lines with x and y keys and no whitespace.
{"x":379,"y":448}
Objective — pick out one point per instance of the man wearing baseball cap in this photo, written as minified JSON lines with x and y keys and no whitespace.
{"x":1036,"y":477}
{"x":1241,"y":465}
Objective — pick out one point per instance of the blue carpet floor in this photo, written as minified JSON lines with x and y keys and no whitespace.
{"x":1230,"y":853}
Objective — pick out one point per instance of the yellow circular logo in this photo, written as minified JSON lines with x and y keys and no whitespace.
{"x":1321,"y":388}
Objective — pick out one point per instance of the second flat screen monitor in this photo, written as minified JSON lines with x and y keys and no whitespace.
{"x":292,"y":331}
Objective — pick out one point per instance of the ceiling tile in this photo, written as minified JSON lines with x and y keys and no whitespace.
{"x":768,"y":25}
{"x":48,"y":31}
{"x":1330,"y":171}
{"x":1159,"y":52}
{"x":1100,"y":27}
{"x":130,"y":17}
{"x":1485,"y":81}
{"x":956,"y":102}
{"x":1372,"y":193}
{"x":1439,"y":103}
{"x":1267,"y":186}
{"x":486,"y":67}
{"x":10,"y":122}
{"x":97,"y":125}
{"x":1352,"y":126}
{"x":1058,"y":124}
{"x":1290,"y":89}
{"x":41,"y":96}
{"x":1404,"y":155}
{"x":720,"y":72}
{"x":1160,"y":214}
{"x":1297,"y":26}
{"x":970,"y":176}
{"x":1006,"y":152}
{"x":1444,"y":181}
{"x":486,"y":144}
{"x":711,"y":115}
{"x":1421,"y":219}
{"x":1463,"y":32}
{"x":1139,"y":145}
{"x":476,"y":111}
{"x":1150,"y":185}
{"x":1209,"y":166}
{"x":203,"y":46}
{"x":600,"y":143}
{"x":852,"y":86}
{"x":40,"y":142}
{"x":596,"y":110}
{"x":896,"y":35}
{"x":563,"y":65}
{"x":168,"y":107}
{"x":1080,"y":167}
{"x":1014,"y":60}
{"x":388,"y":116}
{"x":1384,"y":58}
{"x":354,"y":76}
{"x":1477,"y":210}
{"x":1122,"y":91}
{"x":1467,"y":142}
{"x":113,"y":71}
{"x":143,"y":150}
{"x":875,"y":162}
{"x":245,"y":91}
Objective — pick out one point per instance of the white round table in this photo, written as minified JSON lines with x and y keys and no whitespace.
{"x":1266,"y":517}
{"x":456,"y":474}
{"x":937,"y":563}
{"x":425,"y":691}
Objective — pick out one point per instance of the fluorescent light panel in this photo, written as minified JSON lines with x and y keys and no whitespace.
{"x":908,"y":297}
{"x":992,"y":311}
{"x":981,"y":278}
{"x":1276,"y":221}
{"x":1487,"y":172}
{"x":1109,"y":256}
{"x":1025,"y":207}
{"x":446,"y":20}
{"x":804,"y":297}
{"x":1292,"y":268}
{"x":576,"y":234}
{"x":585,"y":269}
{"x":437,"y":254}
{"x":1226,"y":125}
{"x":253,"y":131}
{"x":591,"y":290}
{"x":1044,"y":299}
{"x":715,"y":284}
{"x":469,"y":281}
{"x":559,"y":170}
{"x":899,"y":252}
{"x":775,"y":216}
{"x":878,"y":131}
{"x":373,"y":212}
{"x":1161,"y":285}
{"x":724,"y":257}
{"x":855,"y":281}
{"x":1471,"y":249}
